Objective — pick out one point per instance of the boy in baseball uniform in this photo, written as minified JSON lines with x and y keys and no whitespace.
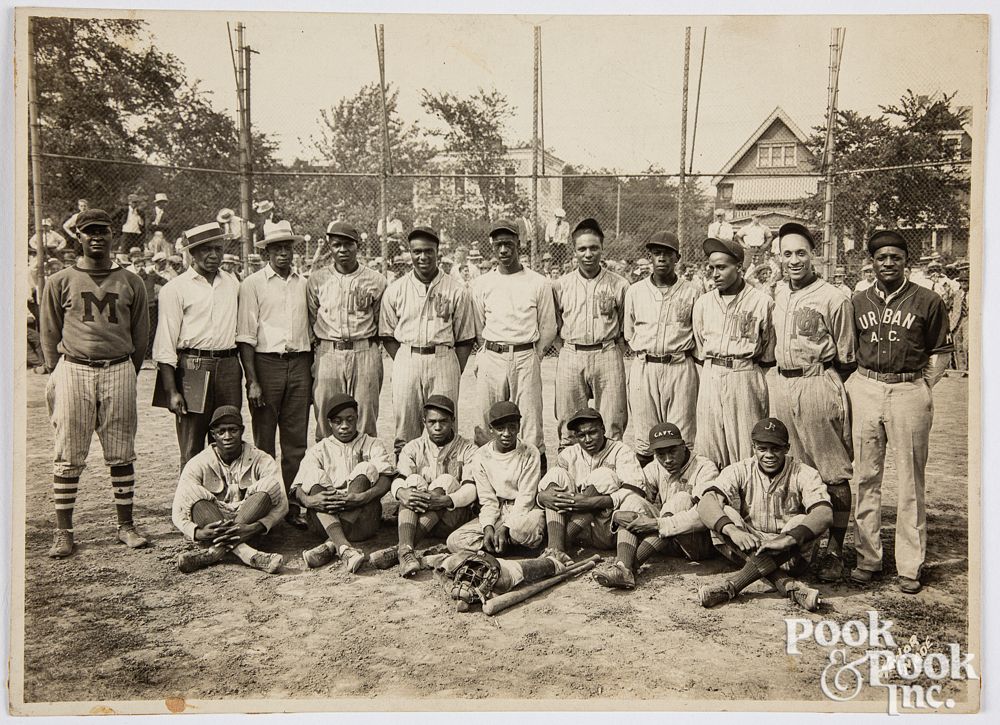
{"x":94,"y":331}
{"x":506,"y":472}
{"x":663,"y":520}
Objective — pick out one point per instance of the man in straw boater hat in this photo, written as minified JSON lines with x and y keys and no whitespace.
{"x":197,"y":331}
{"x":273,"y":336}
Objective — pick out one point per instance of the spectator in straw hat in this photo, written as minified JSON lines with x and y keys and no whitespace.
{"x":720,"y":228}
{"x":233,"y":225}
{"x":231,"y":264}
{"x":54,"y":241}
{"x":159,"y":220}
{"x":197,"y":330}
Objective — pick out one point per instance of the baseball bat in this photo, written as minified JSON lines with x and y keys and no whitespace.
{"x":508,"y":600}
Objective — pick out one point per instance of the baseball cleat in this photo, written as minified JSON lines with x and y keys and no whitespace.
{"x":711,"y":595}
{"x":615,"y":576}
{"x":832,"y":569}
{"x":561,"y":556}
{"x":806,"y":597}
{"x":352,"y":558}
{"x":62,"y":544}
{"x":862,"y":576}
{"x":908,"y":586}
{"x":408,"y":563}
{"x":269,"y":563}
{"x":385,"y":558}
{"x":196,"y":559}
{"x":130,"y":537}
{"x":317,"y":556}
{"x":297,"y":518}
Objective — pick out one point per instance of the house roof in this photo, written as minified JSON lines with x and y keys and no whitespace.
{"x":778,"y":114}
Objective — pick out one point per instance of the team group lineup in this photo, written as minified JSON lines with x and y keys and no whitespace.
{"x":753,"y":418}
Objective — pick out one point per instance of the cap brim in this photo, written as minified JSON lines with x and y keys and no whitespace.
{"x":505,"y":418}
{"x":717,"y":245}
{"x":768,"y":438}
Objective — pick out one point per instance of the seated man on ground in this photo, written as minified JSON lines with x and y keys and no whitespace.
{"x":227,"y":494}
{"x":665,"y":520}
{"x":340,"y":483}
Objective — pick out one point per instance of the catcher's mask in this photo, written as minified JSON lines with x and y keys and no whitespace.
{"x":474,"y":578}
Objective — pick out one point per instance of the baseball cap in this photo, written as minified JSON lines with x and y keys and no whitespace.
{"x":583,"y":415}
{"x":665,"y":435}
{"x":504,"y":225}
{"x":664,"y":239}
{"x":734,"y":249}
{"x":886,"y":238}
{"x":93,"y":218}
{"x":588,"y":225}
{"x":770,"y":430}
{"x":343,"y":229}
{"x":503,"y":410}
{"x":226,"y":414}
{"x":795,"y":228}
{"x":424,"y":233}
{"x":442,"y":403}
{"x":339,"y":402}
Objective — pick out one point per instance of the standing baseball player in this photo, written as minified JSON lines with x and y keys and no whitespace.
{"x":903,"y":345}
{"x":344,"y":301}
{"x":515,"y":324}
{"x":94,"y":330}
{"x":428,"y":328}
{"x":197,"y":331}
{"x":663,"y":383}
{"x":732,"y":334}
{"x":814,"y":348}
{"x":590,"y":304}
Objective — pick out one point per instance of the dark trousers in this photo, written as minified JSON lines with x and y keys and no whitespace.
{"x":225,"y":387}
{"x":287,"y":388}
{"x":127,"y":240}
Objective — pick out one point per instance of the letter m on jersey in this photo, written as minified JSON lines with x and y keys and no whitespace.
{"x":90,"y":301}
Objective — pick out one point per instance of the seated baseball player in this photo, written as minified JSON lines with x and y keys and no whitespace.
{"x":434,"y":486}
{"x":665,"y":520}
{"x":506,"y":472}
{"x":228,"y":494}
{"x":340,"y":484}
{"x":766,"y":513}
{"x":578,"y":492}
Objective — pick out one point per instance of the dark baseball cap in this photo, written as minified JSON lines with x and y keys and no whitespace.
{"x":665,"y":435}
{"x":93,"y":218}
{"x":886,"y":238}
{"x":226,"y":414}
{"x":424,"y":233}
{"x":664,"y":239}
{"x":583,"y":415}
{"x":733,"y":248}
{"x":770,"y":430}
{"x":588,"y":225}
{"x":339,"y":402}
{"x":343,"y":229}
{"x":442,"y":403}
{"x":503,"y":410}
{"x":504,"y":225}
{"x":796,"y":228}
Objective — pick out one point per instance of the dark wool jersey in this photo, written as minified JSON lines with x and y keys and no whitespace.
{"x":93,"y":314}
{"x":898,"y":335}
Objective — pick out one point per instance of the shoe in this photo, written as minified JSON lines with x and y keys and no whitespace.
{"x":712,"y":594}
{"x":317,"y":556}
{"x":130,"y":537}
{"x":352,"y":558}
{"x":909,"y":586}
{"x":832,"y":569}
{"x":197,"y":559}
{"x":408,"y":564}
{"x":62,"y":544}
{"x":863,"y":576}
{"x":269,"y":563}
{"x":615,"y":576}
{"x":806,"y":597}
{"x":385,"y":558}
{"x":561,"y":556}
{"x":297,"y":518}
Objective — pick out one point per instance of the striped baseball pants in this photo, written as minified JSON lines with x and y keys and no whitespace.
{"x":415,"y":378}
{"x":517,"y":377}
{"x":357,"y":372}
{"x":585,"y":374}
{"x":730,"y":402}
{"x":662,"y":393}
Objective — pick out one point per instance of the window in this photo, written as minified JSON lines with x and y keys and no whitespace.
{"x":776,"y":155}
{"x":725,"y":193}
{"x":509,"y":181}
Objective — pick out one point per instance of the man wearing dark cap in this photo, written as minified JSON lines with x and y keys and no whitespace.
{"x":903,"y":345}
{"x":434,"y":486}
{"x":340,"y":483}
{"x":506,"y":472}
{"x":662,"y":516}
{"x":197,"y":331}
{"x":515,"y":324}
{"x":732,"y":335}
{"x":814,"y":349}
{"x":228,"y":494}
{"x":428,"y":327}
{"x":94,"y":330}
{"x":663,"y":382}
{"x":590,"y":304}
{"x":584,"y":485}
{"x":344,"y":299}
{"x":766,"y":513}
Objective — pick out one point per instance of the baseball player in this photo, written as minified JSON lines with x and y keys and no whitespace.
{"x":663,"y":382}
{"x":94,"y":330}
{"x":344,"y":301}
{"x":428,"y":328}
{"x":903,"y":345}
{"x":228,"y":494}
{"x":581,"y":489}
{"x":814,"y":349}
{"x":732,"y":335}
{"x":515,"y":324}
{"x":664,"y":519}
{"x":589,"y":305}
{"x":766,"y":513}
{"x":340,"y":483}
{"x":434,"y":486}
{"x":506,"y":472}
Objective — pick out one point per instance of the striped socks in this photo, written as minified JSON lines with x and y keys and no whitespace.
{"x":64,"y":492}
{"x":123,"y":483}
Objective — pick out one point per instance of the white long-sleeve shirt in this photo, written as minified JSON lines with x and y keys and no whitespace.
{"x":425,"y":458}
{"x":514,"y":308}
{"x":506,"y":477}
{"x":196,"y":313}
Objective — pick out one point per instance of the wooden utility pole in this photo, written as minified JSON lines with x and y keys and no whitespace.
{"x":384,"y":176}
{"x":243,"y":98}
{"x":684,"y":129}
{"x":534,"y":148}
{"x":35,"y":134}
{"x":829,"y":243}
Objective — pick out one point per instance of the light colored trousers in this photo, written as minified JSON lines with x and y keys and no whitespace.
{"x":357,"y":372}
{"x":513,"y":376}
{"x":585,"y":374}
{"x":415,"y":378}
{"x":526,"y":529}
{"x":662,"y":393}
{"x":730,"y":402}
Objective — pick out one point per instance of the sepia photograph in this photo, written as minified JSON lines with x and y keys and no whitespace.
{"x":490,"y":362}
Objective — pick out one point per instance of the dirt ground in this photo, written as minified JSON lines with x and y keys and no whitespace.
{"x":112,"y":624}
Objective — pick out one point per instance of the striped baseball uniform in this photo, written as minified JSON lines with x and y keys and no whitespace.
{"x":343,"y":312}
{"x":663,"y":382}
{"x":425,"y":466}
{"x":428,"y":321}
{"x":333,"y":464}
{"x":732,"y":336}
{"x":589,"y":315}
{"x":513,"y":310}
{"x":813,"y":335}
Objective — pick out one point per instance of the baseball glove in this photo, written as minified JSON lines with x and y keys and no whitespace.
{"x":474,"y":578}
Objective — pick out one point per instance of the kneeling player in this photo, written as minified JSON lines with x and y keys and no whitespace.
{"x":666,"y":522}
{"x":435,"y":489}
{"x":506,"y":471}
{"x":227,"y":494}
{"x":579,"y":492}
{"x":340,"y":483}
{"x":767,"y":512}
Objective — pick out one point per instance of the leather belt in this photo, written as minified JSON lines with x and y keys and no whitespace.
{"x":889,"y":377}
{"x":588,"y":347}
{"x":730,"y":362}
{"x":503,"y":347}
{"x":194,"y":352}
{"x":800,"y":372}
{"x":346,"y":344}
{"x":286,"y":355}
{"x":671,"y":358}
{"x":97,"y":363}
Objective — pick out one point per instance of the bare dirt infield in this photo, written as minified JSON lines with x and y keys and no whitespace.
{"x":113,"y":624}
